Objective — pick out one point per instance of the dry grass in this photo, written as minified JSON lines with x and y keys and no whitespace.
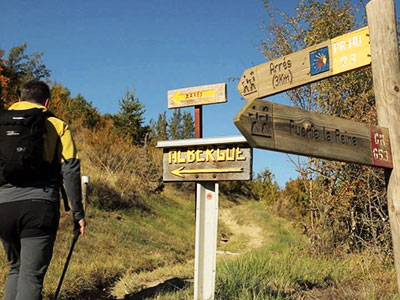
{"x":132,"y":283}
{"x":121,"y":242}
{"x":122,"y":173}
{"x":140,"y":236}
{"x":284,"y":268}
{"x":127,"y":251}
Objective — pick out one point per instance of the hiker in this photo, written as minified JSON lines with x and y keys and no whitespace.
{"x":29,"y":190}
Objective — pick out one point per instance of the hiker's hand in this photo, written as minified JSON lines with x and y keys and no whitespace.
{"x":82,"y":226}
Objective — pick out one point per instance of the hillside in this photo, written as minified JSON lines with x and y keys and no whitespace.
{"x":148,"y":253}
{"x":118,"y":242}
{"x":265,"y":257}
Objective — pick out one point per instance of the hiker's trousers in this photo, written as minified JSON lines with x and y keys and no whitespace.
{"x":28,"y":231}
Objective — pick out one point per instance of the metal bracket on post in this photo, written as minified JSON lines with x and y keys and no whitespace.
{"x":206,"y":240}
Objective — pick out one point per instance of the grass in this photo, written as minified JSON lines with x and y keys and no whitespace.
{"x":265,"y":274}
{"x":119,"y":243}
{"x":133,"y":283}
{"x":128,"y":251}
{"x":284,"y":268}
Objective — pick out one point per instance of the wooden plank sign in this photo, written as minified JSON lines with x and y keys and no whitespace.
{"x":198,"y":95}
{"x":287,"y":129}
{"x":207,"y":159}
{"x":341,"y":54}
{"x":351,"y":51}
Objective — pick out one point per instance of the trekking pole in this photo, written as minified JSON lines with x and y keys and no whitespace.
{"x":74,"y":240}
{"x":85,"y":182}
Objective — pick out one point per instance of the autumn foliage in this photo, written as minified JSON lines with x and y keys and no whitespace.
{"x":342,"y":205}
{"x":339,"y":206}
{"x":122,"y":167}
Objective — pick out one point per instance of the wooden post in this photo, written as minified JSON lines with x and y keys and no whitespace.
{"x":386,"y":75}
{"x":206,"y":240}
{"x":198,"y":121}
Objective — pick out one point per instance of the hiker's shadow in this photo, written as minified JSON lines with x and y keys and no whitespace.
{"x":170,"y":285}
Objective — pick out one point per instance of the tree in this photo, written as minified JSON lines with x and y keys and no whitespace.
{"x":265,"y":187}
{"x":175,"y":125}
{"x":129,"y":118}
{"x":187,"y":126}
{"x":152,"y":126}
{"x":81,"y":111}
{"x":4,"y":80}
{"x":17,"y":68}
{"x":181,"y":126}
{"x":347,"y":200}
{"x":159,"y":129}
{"x":60,"y":96}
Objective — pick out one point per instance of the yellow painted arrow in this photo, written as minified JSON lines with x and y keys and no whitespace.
{"x":180,"y":171}
{"x":178,"y":97}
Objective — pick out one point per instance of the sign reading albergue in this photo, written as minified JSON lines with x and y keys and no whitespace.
{"x":207,"y":159}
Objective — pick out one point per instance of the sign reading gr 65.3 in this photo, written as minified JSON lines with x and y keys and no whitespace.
{"x":197,"y":95}
{"x":207,"y":159}
{"x":341,"y":54}
{"x":283,"y":128}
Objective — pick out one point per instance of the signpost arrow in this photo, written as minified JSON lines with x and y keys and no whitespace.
{"x":341,"y":54}
{"x":178,"y":97}
{"x":287,"y":129}
{"x":197,"y":95}
{"x":180,"y":171}
{"x":273,"y":126}
{"x":207,"y":159}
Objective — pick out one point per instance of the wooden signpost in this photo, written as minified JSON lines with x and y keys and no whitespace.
{"x":197,"y":95}
{"x":208,"y":160}
{"x":277,"y":127}
{"x":282,"y":128}
{"x":386,"y":75}
{"x":341,"y":54}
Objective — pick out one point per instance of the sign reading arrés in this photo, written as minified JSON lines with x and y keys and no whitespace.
{"x":198,"y":95}
{"x":207,"y":159}
{"x":341,"y":54}
{"x":287,"y":129}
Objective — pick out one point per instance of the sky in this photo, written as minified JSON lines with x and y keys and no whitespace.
{"x":101,"y":49}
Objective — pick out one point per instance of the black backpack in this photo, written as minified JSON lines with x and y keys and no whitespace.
{"x":22,"y":134}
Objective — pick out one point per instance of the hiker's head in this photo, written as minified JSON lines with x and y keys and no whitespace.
{"x":35,"y":91}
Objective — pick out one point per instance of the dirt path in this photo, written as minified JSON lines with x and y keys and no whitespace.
{"x":244,"y":236}
{"x":251,"y":231}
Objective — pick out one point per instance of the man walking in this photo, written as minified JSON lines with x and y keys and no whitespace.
{"x":30,"y":201}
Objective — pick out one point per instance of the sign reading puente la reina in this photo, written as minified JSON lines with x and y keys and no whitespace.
{"x":341,"y":54}
{"x":273,"y":126}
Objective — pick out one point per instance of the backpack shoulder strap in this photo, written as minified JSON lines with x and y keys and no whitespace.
{"x":64,"y":196}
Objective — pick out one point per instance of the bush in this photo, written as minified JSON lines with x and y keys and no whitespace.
{"x":122,"y":173}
